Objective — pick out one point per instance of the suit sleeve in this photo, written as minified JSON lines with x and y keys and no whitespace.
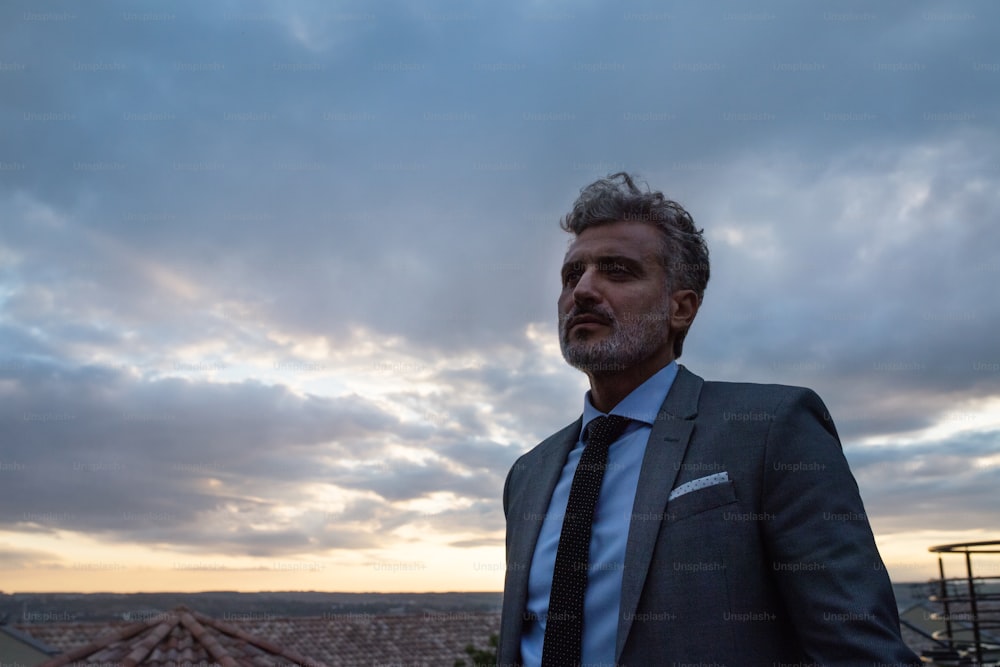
{"x":506,"y":490}
{"x":508,"y":649}
{"x":821,"y":548}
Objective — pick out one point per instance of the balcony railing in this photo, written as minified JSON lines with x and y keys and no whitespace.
{"x":970,"y":609}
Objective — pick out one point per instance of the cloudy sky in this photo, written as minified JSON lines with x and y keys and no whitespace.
{"x":278,"y":281}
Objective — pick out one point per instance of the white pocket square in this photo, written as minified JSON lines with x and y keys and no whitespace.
{"x":700,"y":483}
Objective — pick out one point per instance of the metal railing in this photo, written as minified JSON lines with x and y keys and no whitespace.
{"x":971,"y":608}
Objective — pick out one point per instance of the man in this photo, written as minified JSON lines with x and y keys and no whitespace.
{"x":723,"y":527}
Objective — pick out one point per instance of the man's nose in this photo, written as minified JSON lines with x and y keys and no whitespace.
{"x":586,"y":288}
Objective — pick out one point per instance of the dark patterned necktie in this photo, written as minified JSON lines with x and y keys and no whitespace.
{"x":564,"y":623}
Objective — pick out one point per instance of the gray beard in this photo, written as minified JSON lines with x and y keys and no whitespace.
{"x":631,"y":341}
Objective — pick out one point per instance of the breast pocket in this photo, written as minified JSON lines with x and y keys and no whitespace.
{"x":701,"y":500}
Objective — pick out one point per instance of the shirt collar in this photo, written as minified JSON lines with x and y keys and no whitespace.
{"x":643,"y":404}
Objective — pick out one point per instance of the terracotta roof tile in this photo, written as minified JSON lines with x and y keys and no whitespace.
{"x":180,"y":638}
{"x":183,"y":638}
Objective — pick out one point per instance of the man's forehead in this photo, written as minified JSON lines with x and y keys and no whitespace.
{"x":639,"y":242}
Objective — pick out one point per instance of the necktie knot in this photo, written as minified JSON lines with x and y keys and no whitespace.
{"x":604,"y":430}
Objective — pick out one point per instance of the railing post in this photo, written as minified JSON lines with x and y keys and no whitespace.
{"x":944,"y":601}
{"x":972,"y":603}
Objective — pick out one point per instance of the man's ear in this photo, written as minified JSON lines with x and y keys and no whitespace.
{"x":683,"y":308}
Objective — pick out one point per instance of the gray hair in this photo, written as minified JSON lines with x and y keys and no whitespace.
{"x":618,"y":199}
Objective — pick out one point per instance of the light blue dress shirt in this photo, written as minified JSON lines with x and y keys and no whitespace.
{"x":612,"y":516}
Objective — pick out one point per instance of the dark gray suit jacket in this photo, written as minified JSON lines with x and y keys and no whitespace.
{"x":777,"y":565}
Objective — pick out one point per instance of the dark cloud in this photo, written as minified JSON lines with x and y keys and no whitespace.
{"x":946,"y":485}
{"x":97,"y":450}
{"x":872,"y":286}
{"x":406,"y":480}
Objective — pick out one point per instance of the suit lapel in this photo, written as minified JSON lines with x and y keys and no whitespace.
{"x":668,"y":441}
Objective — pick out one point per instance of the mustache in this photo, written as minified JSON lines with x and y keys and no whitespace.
{"x":603,"y":313}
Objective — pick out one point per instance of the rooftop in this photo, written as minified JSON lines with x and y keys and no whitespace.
{"x":186,"y":637}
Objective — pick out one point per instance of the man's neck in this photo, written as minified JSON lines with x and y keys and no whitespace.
{"x":608,"y":389}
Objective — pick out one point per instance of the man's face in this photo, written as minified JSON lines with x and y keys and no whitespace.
{"x":615,"y":306}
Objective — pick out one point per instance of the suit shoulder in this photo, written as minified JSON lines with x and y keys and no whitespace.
{"x":764,"y":403}
{"x":757,"y":392}
{"x":551,"y":442}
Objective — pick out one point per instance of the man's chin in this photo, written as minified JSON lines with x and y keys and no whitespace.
{"x":585,"y":358}
{"x":597,"y":366}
